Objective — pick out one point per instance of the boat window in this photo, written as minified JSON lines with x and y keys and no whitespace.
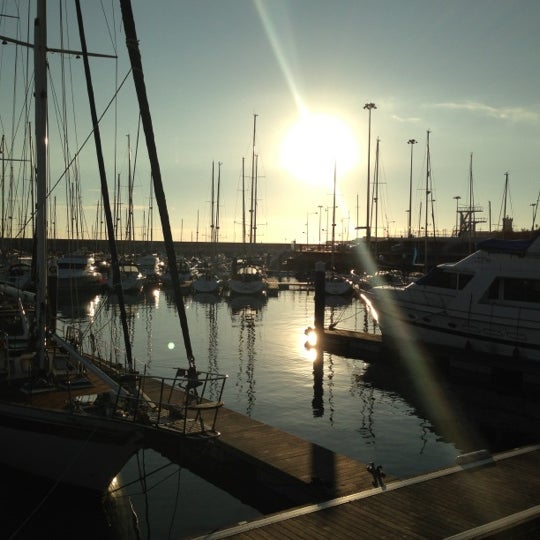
{"x":439,"y":278}
{"x":522,"y":290}
{"x":463,"y":280}
{"x":493,"y":291}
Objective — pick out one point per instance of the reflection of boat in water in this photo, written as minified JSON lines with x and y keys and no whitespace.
{"x":488,"y":302}
{"x":207,"y":297}
{"x":473,"y":412}
{"x":244,"y":302}
{"x":334,"y":300}
{"x":79,"y":306}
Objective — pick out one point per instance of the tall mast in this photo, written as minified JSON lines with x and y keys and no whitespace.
{"x":243,"y":200}
{"x":253,"y":183}
{"x":212,"y":224}
{"x":40,"y":70}
{"x":132,"y":43}
{"x":471,"y":203}
{"x":333,"y":219}
{"x":217,"y":201}
{"x":428,"y":173}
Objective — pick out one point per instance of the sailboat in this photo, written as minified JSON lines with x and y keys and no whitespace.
{"x":248,"y":275}
{"x":335,"y":283}
{"x":64,"y":415}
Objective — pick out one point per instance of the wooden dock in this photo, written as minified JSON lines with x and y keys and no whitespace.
{"x":307,"y":491}
{"x":274,"y":286}
{"x":493,"y":497}
{"x":268,"y":468}
{"x":352,"y":344}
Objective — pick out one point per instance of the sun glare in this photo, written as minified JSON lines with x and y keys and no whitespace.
{"x":314,"y":143}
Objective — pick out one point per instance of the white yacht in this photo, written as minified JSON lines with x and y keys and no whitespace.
{"x":79,"y":271}
{"x":488,"y":302}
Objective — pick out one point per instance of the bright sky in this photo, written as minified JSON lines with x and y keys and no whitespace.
{"x":465,"y":70}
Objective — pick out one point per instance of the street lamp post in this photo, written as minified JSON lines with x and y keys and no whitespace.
{"x":320,"y":216}
{"x":412,"y":142}
{"x":457,"y":197}
{"x":369,"y":107}
{"x":533,"y":215}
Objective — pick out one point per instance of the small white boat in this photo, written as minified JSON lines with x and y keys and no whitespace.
{"x":150,"y":265}
{"x":248,"y":279}
{"x":131,"y":279}
{"x":336,"y":284}
{"x":78,"y":271}
{"x":488,"y":302}
{"x":206,"y":282}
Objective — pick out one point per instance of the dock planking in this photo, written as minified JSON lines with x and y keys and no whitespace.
{"x":317,"y":493}
{"x":290,"y":470}
{"x":477,"y":500}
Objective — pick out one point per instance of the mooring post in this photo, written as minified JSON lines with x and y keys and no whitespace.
{"x":319,"y":298}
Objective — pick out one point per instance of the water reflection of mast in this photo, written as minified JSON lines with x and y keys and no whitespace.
{"x":247,"y":309}
{"x":246,"y":343}
{"x":211,"y":315}
{"x":331,"y":388}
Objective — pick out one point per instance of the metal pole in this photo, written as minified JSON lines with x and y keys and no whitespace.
{"x":412,"y":142}
{"x":369,"y":107}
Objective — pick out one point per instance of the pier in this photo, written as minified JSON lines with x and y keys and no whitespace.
{"x":308,"y":491}
{"x":481,"y":499}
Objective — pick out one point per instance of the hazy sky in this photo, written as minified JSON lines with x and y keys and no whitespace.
{"x":466,"y":70}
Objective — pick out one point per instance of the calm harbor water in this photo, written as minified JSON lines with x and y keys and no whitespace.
{"x":409,"y":421}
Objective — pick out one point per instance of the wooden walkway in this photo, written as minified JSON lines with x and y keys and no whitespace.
{"x":321,"y":494}
{"x":289,"y":470}
{"x":477,"y":500}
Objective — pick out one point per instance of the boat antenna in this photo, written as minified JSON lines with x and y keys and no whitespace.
{"x":117,"y":285}
{"x":132,"y":43}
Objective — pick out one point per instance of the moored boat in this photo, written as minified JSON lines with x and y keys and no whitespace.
{"x":488,"y":302}
{"x":79,"y":271}
{"x":247,"y":278}
{"x":64,"y":414}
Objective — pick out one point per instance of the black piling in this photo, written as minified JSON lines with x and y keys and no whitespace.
{"x":319,"y":299}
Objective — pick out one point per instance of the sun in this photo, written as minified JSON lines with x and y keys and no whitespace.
{"x":314,"y":143}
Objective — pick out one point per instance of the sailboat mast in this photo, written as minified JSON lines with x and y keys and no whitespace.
{"x":140,"y":87}
{"x":253,"y":182}
{"x":212,"y":224}
{"x":217,"y":201}
{"x":244,"y":200}
{"x":471,"y":203}
{"x":40,"y":71}
{"x":105,"y":190}
{"x":333,"y":219}
{"x":428,"y":173}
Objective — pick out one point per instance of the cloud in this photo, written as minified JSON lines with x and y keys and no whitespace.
{"x":514,"y":114}
{"x":406,"y":120}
